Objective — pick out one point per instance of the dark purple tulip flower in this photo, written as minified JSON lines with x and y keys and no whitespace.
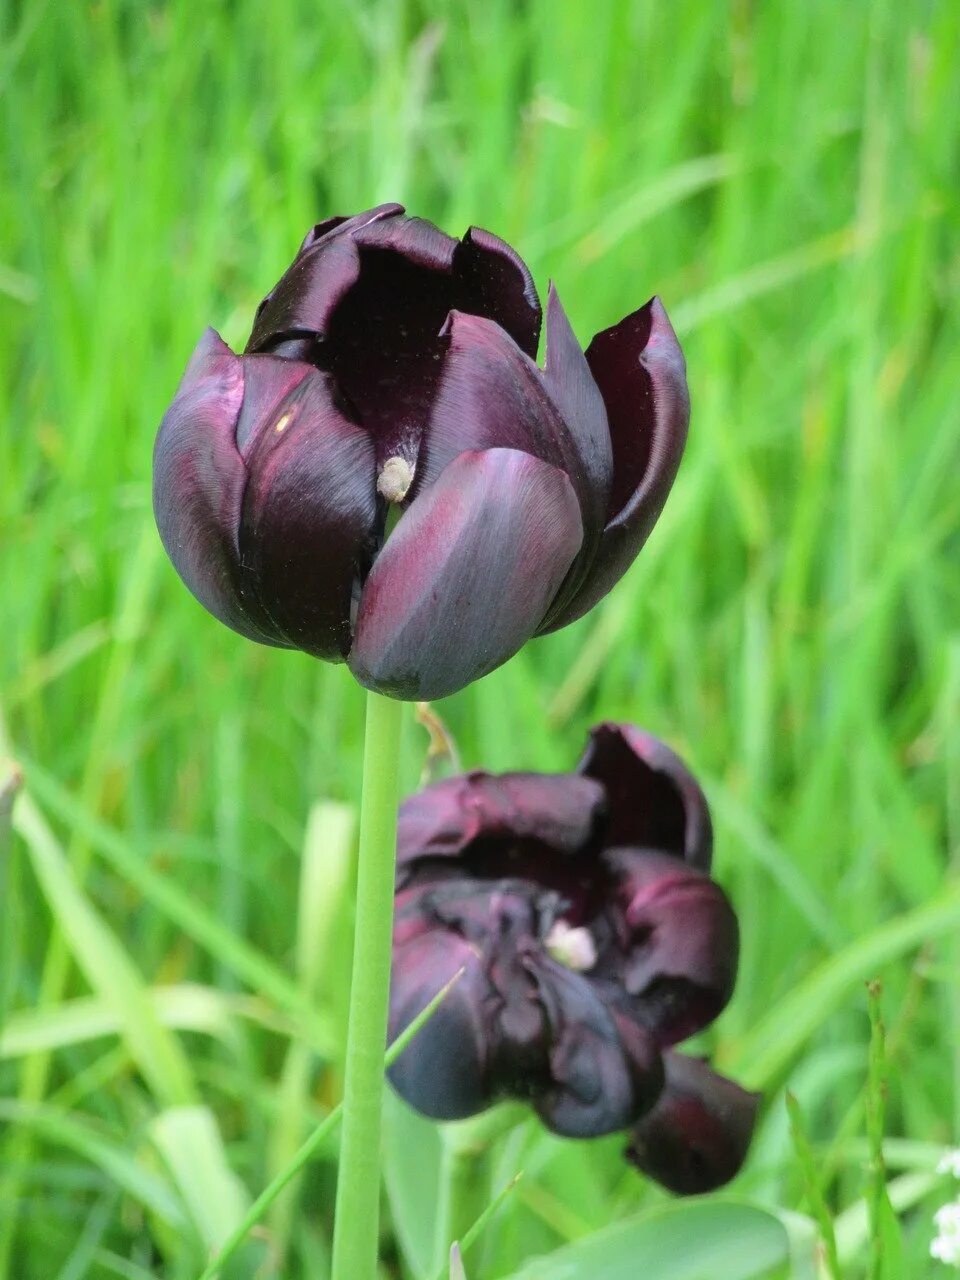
{"x":394,"y":368}
{"x":591,"y":937}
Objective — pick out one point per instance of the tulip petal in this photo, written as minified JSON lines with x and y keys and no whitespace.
{"x":198,"y":485}
{"x":441,"y":821}
{"x":309,"y":512}
{"x":344,"y":225}
{"x":490,"y":395}
{"x":466,"y":576}
{"x":640,"y":370}
{"x":653,"y":799}
{"x":308,"y":293}
{"x":679,"y":964}
{"x":697,"y":1136}
{"x":492,"y":280}
{"x":573,"y":390}
{"x":443,"y":1071}
{"x":415,"y":239}
{"x":593,"y":1087}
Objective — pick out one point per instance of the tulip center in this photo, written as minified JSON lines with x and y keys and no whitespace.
{"x":395,"y":478}
{"x":573,"y":946}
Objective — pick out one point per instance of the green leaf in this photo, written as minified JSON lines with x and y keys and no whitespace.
{"x":694,"y":1240}
{"x":411,"y":1170}
{"x":190,"y":1144}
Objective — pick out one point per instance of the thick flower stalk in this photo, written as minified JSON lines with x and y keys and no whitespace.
{"x":592,"y":940}
{"x":394,"y":368}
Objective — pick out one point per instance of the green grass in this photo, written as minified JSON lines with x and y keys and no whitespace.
{"x":785,"y":175}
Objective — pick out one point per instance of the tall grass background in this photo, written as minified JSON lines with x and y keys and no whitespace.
{"x":175,"y":913}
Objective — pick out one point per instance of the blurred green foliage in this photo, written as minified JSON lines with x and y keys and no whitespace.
{"x":785,"y":176}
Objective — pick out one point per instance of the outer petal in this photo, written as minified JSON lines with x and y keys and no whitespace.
{"x":697,"y":1136}
{"x":654,"y":801}
{"x":681,"y":945}
{"x":419,"y":241}
{"x":309,"y":512}
{"x":640,"y":370}
{"x":327,"y":265}
{"x":595,"y":1086}
{"x":198,"y":486}
{"x":443,"y":1071}
{"x":492,"y":280}
{"x":308,"y":293}
{"x":340,"y":225}
{"x":466,"y":576}
{"x":490,"y":395}
{"x":561,"y":811}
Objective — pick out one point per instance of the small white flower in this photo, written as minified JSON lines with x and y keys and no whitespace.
{"x":950,"y":1163}
{"x":945,"y":1246}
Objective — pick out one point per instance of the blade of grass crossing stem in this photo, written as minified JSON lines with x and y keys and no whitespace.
{"x":886,"y":1245}
{"x":459,"y":1248}
{"x":815,"y":1197}
{"x":309,"y":1148}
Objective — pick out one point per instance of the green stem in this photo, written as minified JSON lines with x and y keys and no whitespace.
{"x":358,"y":1183}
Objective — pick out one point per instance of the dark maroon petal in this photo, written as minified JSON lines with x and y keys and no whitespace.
{"x":654,"y":801}
{"x":681,"y":946}
{"x":198,"y":486}
{"x":571,"y":386}
{"x":492,"y":280}
{"x":415,"y":239}
{"x":443,"y":1071}
{"x":310,"y":507}
{"x":466,"y":576}
{"x":697,"y":1136}
{"x":595,"y":1087}
{"x":308,"y":293}
{"x":573,"y":390}
{"x":490,"y":395}
{"x":343,"y":225}
{"x":560,"y":810}
{"x":267,"y":382}
{"x":640,"y":370}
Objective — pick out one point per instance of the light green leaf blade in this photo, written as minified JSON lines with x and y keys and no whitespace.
{"x":695,"y":1240}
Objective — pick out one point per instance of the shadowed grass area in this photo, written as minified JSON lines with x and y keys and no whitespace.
{"x":785,"y":176}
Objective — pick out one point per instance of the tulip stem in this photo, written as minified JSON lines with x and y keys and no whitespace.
{"x":358,"y":1184}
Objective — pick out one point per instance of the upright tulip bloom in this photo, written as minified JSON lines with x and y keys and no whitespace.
{"x":591,"y":939}
{"x":393,"y":366}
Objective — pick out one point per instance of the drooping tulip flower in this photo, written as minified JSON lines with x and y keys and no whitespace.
{"x":696,"y":1137}
{"x":394,"y":368}
{"x":590,"y":935}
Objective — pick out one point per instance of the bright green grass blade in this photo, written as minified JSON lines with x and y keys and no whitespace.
{"x":105,"y":963}
{"x":83,"y":1136}
{"x":186,"y":1006}
{"x":184,"y":911}
{"x":773,"y":1043}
